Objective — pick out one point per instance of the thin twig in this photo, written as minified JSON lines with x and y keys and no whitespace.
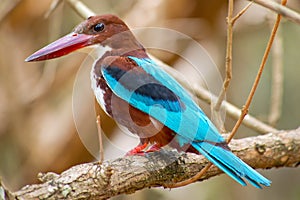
{"x":101,"y":150}
{"x":99,"y":130}
{"x":257,"y":79}
{"x":228,"y":62}
{"x":241,"y":13}
{"x":277,"y":80}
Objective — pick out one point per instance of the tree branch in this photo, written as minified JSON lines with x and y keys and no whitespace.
{"x":279,"y":9}
{"x":131,"y":173}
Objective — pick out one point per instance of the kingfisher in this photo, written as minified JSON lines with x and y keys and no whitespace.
{"x":133,"y":90}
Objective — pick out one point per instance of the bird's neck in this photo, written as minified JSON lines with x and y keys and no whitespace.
{"x":116,"y":48}
{"x":101,"y":52}
{"x":123,"y":44}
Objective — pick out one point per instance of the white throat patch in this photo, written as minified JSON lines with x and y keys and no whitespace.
{"x":97,"y":52}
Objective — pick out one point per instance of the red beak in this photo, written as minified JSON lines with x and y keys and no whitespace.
{"x":61,"y":47}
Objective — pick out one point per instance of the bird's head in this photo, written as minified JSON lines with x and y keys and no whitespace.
{"x":106,"y":30}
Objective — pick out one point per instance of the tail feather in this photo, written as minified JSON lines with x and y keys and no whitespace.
{"x":231,"y":164}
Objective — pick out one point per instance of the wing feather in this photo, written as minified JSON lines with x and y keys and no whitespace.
{"x":150,"y":89}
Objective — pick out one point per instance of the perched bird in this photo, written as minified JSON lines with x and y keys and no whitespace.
{"x":133,"y":90}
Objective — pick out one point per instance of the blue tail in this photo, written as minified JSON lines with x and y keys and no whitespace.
{"x":231,"y":164}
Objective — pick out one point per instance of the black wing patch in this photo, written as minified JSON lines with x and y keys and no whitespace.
{"x":151,"y":91}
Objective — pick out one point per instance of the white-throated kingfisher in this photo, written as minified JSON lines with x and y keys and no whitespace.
{"x":133,"y":90}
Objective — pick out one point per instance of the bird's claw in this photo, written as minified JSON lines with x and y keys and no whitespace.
{"x":139,"y":150}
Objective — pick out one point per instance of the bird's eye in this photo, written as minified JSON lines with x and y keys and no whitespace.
{"x":99,"y":27}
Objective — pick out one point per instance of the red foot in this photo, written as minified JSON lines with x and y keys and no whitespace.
{"x":138,"y":150}
{"x":153,"y":148}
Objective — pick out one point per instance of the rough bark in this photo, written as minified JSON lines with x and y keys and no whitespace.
{"x":131,"y":173}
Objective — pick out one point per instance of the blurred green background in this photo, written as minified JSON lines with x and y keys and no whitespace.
{"x":37,"y":129}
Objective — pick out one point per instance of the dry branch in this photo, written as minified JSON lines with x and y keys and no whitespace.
{"x":276,"y":98}
{"x":129,"y":174}
{"x":279,"y":9}
{"x":246,"y":106}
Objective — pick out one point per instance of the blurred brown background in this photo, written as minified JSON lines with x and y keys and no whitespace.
{"x":37,"y":129}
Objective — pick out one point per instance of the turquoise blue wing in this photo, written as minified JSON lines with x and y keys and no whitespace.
{"x":150,"y":89}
